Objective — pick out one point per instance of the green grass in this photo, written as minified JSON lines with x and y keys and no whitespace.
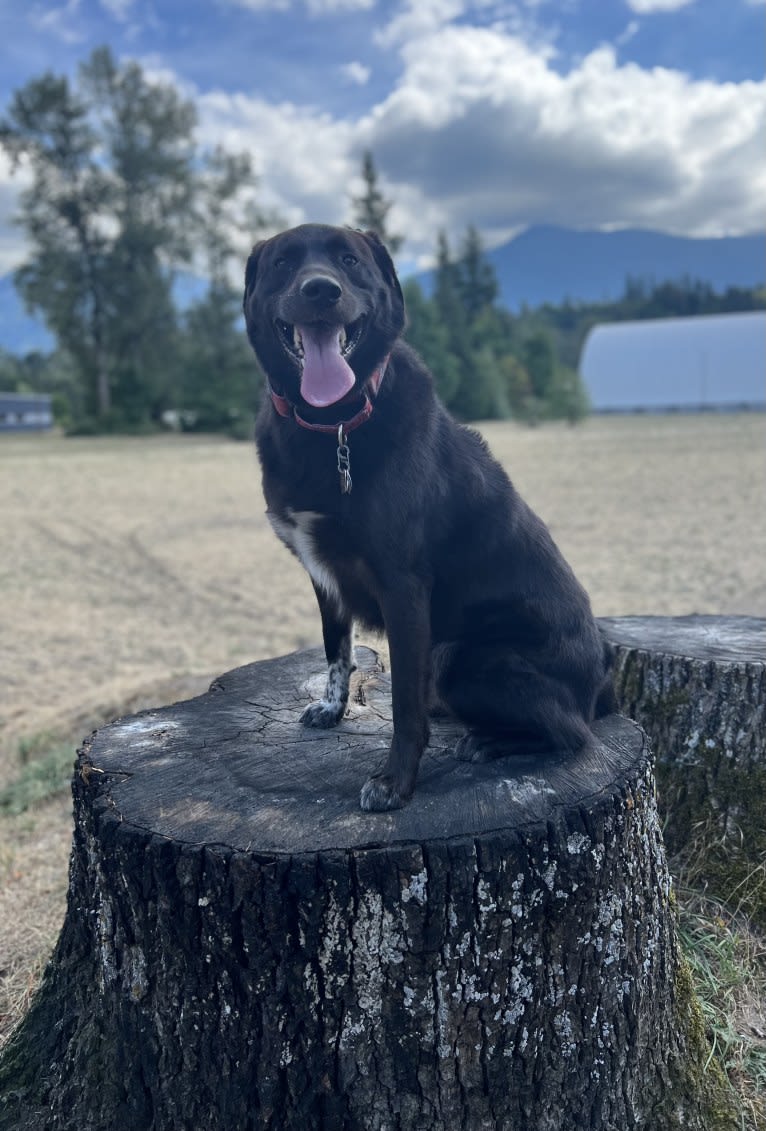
{"x":46,"y":772}
{"x":728,"y":965}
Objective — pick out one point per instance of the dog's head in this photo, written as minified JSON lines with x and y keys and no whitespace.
{"x":323,"y":307}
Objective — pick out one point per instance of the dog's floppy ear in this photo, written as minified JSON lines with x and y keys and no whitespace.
{"x":252,"y":268}
{"x":384,"y":261}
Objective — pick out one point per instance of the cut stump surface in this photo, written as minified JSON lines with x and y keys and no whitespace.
{"x":234,"y":767}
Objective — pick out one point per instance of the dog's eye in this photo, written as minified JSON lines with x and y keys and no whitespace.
{"x":348,"y":259}
{"x":280,"y":264}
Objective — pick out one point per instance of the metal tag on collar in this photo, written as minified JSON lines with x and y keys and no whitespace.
{"x":344,"y":464}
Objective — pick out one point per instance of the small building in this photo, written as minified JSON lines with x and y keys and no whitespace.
{"x":25,"y":412}
{"x":709,"y":362}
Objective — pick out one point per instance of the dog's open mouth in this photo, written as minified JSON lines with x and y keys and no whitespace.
{"x":321,"y":351}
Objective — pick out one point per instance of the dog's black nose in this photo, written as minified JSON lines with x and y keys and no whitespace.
{"x":321,"y":288}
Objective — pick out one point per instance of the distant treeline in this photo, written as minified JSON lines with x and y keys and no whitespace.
{"x":568,"y":323}
{"x":489,"y":363}
{"x":121,"y":197}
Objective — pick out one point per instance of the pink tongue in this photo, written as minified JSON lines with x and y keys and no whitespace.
{"x":326,"y":377}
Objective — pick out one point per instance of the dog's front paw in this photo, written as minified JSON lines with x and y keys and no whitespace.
{"x":379,"y":794}
{"x":323,"y":714}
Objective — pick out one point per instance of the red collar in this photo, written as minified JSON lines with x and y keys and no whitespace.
{"x":286,"y":408}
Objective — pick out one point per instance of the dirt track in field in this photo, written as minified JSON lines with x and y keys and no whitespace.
{"x":134,"y":564}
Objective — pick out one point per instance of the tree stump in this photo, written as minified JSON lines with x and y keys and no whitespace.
{"x":244,"y":948}
{"x":697,"y":685}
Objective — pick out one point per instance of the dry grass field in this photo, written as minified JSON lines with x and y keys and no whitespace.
{"x":128,"y":562}
{"x":134,"y":570}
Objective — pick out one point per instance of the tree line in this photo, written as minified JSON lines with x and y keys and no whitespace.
{"x":568,"y":323}
{"x":486,"y":362}
{"x":120,"y":198}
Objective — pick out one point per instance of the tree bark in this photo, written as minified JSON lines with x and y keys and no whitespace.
{"x":697,"y":685}
{"x":244,"y":948}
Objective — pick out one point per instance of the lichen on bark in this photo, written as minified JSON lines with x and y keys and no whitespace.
{"x":698,"y":687}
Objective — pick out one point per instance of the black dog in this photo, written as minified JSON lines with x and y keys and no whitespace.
{"x":405,"y":522}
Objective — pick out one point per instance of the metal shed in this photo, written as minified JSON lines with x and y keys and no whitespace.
{"x":25,"y":412}
{"x":715,"y":361}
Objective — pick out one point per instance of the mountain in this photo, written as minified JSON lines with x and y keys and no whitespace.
{"x":543,"y":264}
{"x":550,"y":264}
{"x":20,"y":333}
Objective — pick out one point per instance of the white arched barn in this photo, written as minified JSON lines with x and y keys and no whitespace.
{"x":715,"y":361}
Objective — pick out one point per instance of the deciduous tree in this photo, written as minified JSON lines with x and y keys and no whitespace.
{"x":219,"y":382}
{"x":111,"y":165}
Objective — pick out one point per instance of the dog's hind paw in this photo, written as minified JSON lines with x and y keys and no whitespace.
{"x":323,"y":715}
{"x":479,"y":748}
{"x":380,"y":794}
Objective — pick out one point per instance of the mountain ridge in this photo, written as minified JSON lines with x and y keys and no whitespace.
{"x":543,"y":264}
{"x":551,"y":264}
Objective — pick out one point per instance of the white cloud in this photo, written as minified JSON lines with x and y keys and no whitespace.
{"x":485,"y":126}
{"x":481,"y":128}
{"x":645,"y":6}
{"x":302,"y":157}
{"x":628,"y":33}
{"x":417,"y":19}
{"x":356,"y":72}
{"x":316,"y":7}
{"x":59,"y":21}
{"x":262,"y":5}
{"x":12,"y":242}
{"x":320,"y":7}
{"x":120,"y":9}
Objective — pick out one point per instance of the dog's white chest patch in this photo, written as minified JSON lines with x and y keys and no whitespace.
{"x":297,"y":531}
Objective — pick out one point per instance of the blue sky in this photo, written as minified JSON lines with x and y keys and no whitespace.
{"x":586,"y":113}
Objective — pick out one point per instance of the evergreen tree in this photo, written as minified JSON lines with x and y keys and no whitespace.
{"x":476,"y":280}
{"x":447,"y":283}
{"x":449,"y":302}
{"x":464,"y":296}
{"x":454,"y":318}
{"x":481,"y":394}
{"x":518,"y":387}
{"x":429,"y":335}
{"x":567,"y":397}
{"x":539,"y":360}
{"x":371,"y":208}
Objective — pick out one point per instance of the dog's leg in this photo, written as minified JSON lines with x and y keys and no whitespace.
{"x":338,"y":635}
{"x":407,"y":619}
{"x":508,"y":706}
